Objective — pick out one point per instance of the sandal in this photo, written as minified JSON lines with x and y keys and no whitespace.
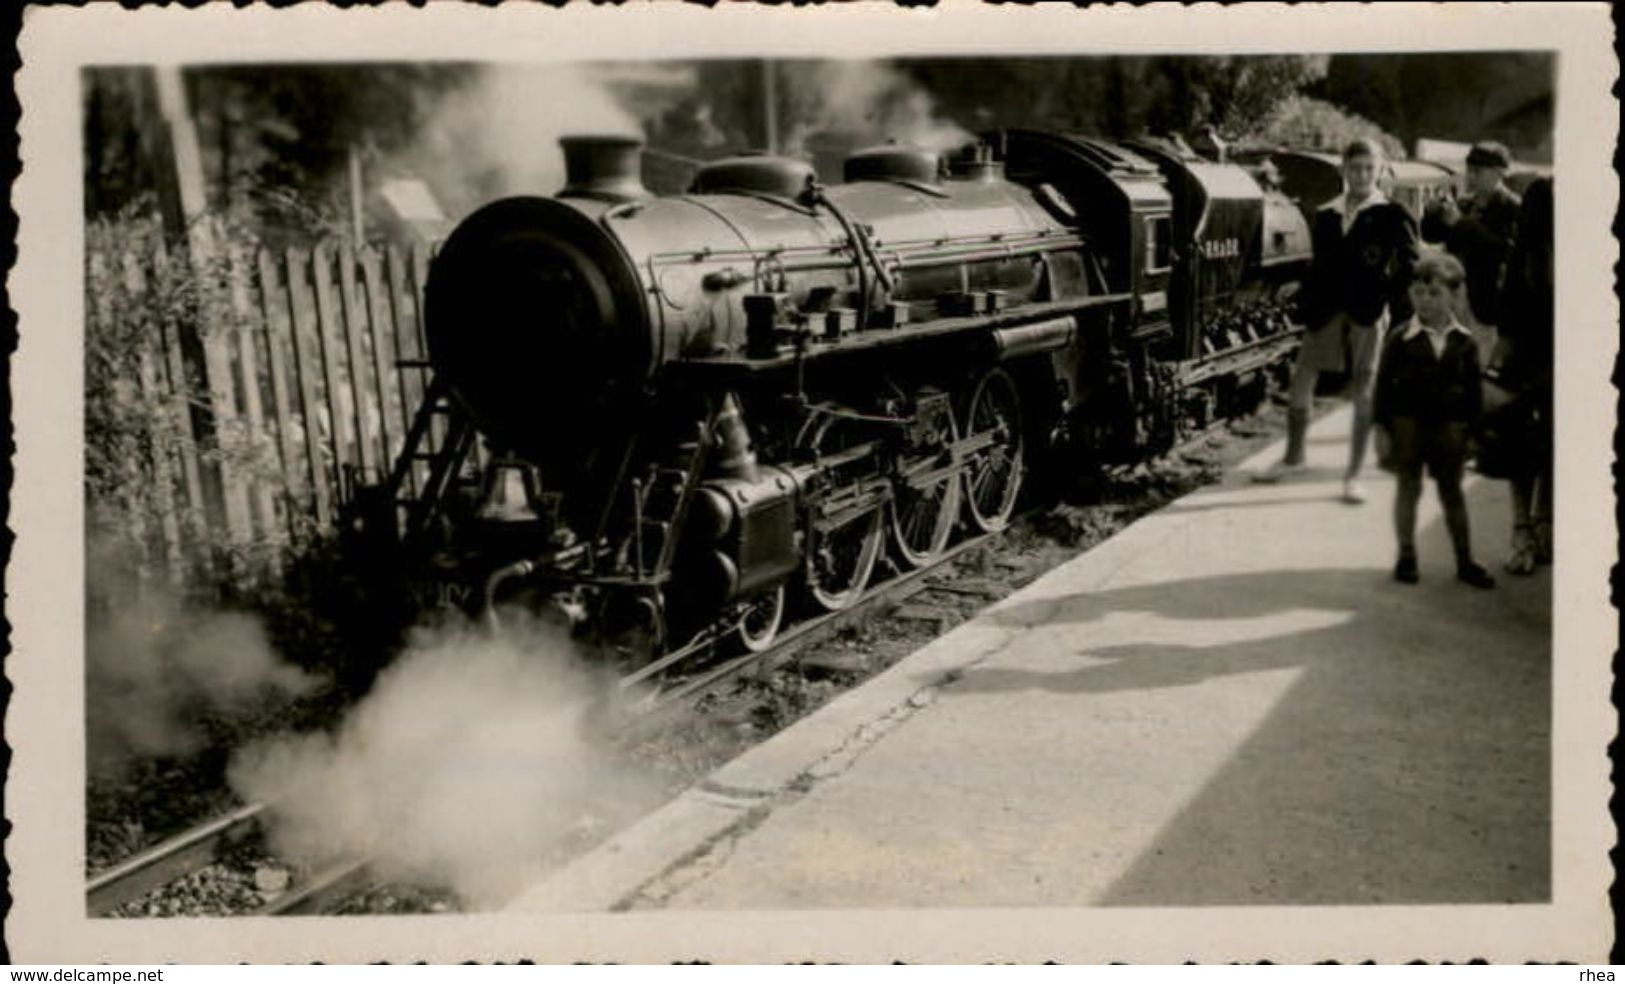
{"x":1543,"y":543}
{"x":1524,"y":559}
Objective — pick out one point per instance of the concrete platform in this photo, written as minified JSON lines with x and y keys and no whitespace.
{"x":1230,"y":702}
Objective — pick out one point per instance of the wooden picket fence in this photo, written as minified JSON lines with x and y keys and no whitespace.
{"x":317,"y":376}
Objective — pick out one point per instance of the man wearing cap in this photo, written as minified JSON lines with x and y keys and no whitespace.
{"x":1365,"y":247}
{"x":1479,"y":231}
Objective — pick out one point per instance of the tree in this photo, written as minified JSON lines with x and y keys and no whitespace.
{"x":1314,"y":124}
{"x":1465,"y":96}
{"x":1118,"y":97}
{"x":275,"y":139}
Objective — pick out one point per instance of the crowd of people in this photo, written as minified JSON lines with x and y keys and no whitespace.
{"x":1444,"y":327}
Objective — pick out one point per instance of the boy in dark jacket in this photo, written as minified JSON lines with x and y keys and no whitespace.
{"x":1364,"y":248}
{"x":1428,"y":397}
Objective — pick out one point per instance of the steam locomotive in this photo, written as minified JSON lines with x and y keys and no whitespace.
{"x":675,"y":417}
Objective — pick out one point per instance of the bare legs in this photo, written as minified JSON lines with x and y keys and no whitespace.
{"x":1455,"y":520}
{"x":1365,"y":348}
{"x":1300,"y":402}
{"x":1363,"y":343}
{"x":1407,"y":494}
{"x":1444,"y":452}
{"x":1361,"y":434}
{"x":1522,"y":560}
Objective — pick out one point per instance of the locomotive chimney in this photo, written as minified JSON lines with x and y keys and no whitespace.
{"x":605,"y":168}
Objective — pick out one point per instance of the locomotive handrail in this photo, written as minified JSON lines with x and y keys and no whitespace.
{"x":912,"y":333}
{"x":1048,"y":241}
{"x":861,"y":253}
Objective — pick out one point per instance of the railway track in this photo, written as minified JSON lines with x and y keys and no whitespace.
{"x":669,"y":686}
{"x":326,"y":888}
{"x":193,"y":849}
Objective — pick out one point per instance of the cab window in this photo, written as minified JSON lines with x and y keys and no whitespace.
{"x":1159,"y":243}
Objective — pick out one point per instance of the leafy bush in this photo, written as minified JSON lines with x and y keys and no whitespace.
{"x":1312,"y":124}
{"x":134,"y":413}
{"x":150,"y":311}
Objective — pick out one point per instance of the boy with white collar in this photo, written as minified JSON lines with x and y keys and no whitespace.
{"x":1428,"y":398}
{"x":1364,"y":248}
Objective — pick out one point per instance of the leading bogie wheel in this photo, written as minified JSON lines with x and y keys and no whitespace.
{"x":759,"y":623}
{"x":993,"y":473}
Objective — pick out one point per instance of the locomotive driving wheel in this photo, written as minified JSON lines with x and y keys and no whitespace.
{"x":633,"y":628}
{"x":844,"y":535}
{"x":994,"y":471}
{"x":923,"y":513}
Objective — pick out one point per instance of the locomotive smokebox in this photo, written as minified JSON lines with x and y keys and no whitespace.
{"x":606,"y":168}
{"x":535,"y":323}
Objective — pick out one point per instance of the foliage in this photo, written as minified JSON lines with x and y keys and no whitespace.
{"x":1311,"y":124}
{"x":150,"y":312}
{"x":1461,"y":95}
{"x":1120,"y":97}
{"x":1242,"y":92}
{"x":275,"y":139}
{"x":133,"y":425}
{"x":1117,"y":97}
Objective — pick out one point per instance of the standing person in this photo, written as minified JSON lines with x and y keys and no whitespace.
{"x":1523,"y":365}
{"x":1427,"y":401}
{"x":1364,"y":249}
{"x":1479,"y":231}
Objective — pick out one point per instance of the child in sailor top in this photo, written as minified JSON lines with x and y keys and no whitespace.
{"x":1428,"y":397}
{"x":1364,"y":248}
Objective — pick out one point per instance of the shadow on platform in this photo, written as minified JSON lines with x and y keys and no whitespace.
{"x":1408,"y":762}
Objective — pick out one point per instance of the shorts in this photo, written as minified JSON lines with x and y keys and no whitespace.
{"x":1441,"y":447}
{"x":1345,"y":345}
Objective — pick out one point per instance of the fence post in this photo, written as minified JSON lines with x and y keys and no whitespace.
{"x":300,"y":267}
{"x":252,"y":331}
{"x":177,"y":372}
{"x":403,"y":316}
{"x":355,"y":357}
{"x":381,"y":329}
{"x":321,"y":273}
{"x":276,"y":331}
{"x":185,"y":214}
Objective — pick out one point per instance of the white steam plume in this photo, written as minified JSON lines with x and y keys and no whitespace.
{"x":467,"y":766}
{"x":154,"y":671}
{"x":871,"y":101}
{"x":498,"y":135}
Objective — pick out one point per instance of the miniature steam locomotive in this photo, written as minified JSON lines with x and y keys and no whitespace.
{"x":671,"y":418}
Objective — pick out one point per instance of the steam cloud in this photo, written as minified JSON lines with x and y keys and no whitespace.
{"x":499,"y":135}
{"x":465,"y":766}
{"x":155,"y":672}
{"x":869,"y":100}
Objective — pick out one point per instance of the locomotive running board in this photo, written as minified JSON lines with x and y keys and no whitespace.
{"x":1241,"y":358}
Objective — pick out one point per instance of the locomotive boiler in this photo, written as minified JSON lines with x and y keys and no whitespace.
{"x":673,"y":418}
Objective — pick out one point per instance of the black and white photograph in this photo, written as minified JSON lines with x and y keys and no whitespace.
{"x":843,"y":484}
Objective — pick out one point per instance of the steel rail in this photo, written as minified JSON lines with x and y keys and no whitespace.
{"x":328,"y":886}
{"x":811,"y":631}
{"x":167,"y":861}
